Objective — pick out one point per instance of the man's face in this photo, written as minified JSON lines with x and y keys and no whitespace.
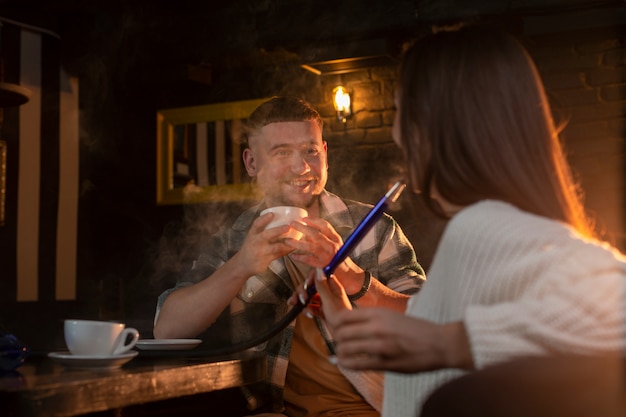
{"x":289,"y":162}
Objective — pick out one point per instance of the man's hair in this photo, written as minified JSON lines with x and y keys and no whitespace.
{"x":476,"y":124}
{"x":279,"y":109}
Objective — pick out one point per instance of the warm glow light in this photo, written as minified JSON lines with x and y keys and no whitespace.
{"x":341,"y":100}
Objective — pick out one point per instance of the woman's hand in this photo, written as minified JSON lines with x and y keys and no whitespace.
{"x":335,"y":298}
{"x":383,"y":339}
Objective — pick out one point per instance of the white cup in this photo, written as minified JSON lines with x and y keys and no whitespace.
{"x":99,"y":338}
{"x":285,"y":215}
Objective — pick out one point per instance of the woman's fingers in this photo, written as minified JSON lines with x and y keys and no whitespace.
{"x":331,"y":291}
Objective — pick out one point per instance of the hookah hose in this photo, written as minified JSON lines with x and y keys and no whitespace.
{"x":355,"y":237}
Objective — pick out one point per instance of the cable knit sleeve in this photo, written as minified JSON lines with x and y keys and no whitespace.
{"x":578,"y":305}
{"x":523,"y":285}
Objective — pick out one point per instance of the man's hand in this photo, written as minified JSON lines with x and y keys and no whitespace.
{"x":319,"y":242}
{"x":317,"y":247}
{"x":261,"y":246}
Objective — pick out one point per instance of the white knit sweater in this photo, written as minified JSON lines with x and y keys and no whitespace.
{"x":523,"y":285}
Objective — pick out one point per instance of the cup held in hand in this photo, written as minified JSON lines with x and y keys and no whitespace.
{"x":285,"y":215}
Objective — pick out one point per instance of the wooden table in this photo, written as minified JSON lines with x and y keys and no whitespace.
{"x":41,"y":387}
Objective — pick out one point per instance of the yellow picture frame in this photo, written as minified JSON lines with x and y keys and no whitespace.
{"x":167,"y":121}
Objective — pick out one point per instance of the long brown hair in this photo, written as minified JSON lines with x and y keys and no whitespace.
{"x":476,"y":124}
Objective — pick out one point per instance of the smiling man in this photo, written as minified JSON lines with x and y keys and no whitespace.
{"x":245,"y":274}
{"x":288,"y":160}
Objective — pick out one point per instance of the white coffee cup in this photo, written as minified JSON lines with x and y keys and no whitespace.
{"x":99,"y":338}
{"x":285,"y":215}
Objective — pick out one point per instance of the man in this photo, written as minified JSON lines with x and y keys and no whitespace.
{"x":251,"y":272}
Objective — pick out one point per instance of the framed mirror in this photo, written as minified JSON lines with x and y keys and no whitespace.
{"x":199,"y":153}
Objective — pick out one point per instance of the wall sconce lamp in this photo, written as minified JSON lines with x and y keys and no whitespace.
{"x":341,"y":101}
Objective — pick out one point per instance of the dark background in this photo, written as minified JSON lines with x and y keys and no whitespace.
{"x":133,"y":58}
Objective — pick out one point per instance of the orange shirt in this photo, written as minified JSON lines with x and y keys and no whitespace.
{"x":314,"y":386}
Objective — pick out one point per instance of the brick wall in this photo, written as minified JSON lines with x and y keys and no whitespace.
{"x":122,"y":89}
{"x":363,"y":159}
{"x":584,"y":74}
{"x":583,"y":71}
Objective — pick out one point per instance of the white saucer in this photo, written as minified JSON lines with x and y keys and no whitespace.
{"x":167,"y":344}
{"x":92,"y":362}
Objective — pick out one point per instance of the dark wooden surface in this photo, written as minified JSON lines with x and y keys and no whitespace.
{"x":41,"y":387}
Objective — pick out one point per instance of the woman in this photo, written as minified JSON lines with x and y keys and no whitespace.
{"x":517,"y":271}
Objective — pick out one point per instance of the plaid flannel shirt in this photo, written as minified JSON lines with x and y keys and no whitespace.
{"x":385,"y":252}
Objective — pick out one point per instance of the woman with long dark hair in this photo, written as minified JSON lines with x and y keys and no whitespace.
{"x":518,"y":271}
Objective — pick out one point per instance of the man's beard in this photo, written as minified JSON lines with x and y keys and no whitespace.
{"x":286,"y":201}
{"x":278,"y":197}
